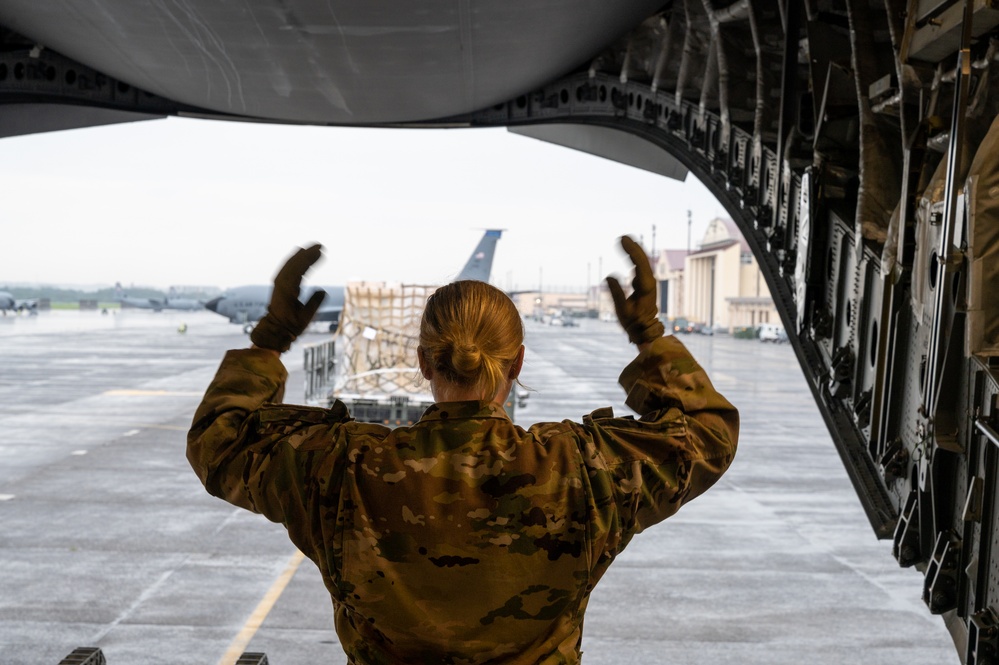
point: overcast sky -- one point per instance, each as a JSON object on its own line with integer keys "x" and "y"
{"x": 191, "y": 202}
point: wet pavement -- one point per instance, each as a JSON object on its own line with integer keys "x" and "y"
{"x": 108, "y": 539}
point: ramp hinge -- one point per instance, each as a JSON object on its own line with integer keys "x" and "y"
{"x": 940, "y": 585}
{"x": 905, "y": 545}
{"x": 983, "y": 638}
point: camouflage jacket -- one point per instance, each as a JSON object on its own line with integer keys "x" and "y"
{"x": 463, "y": 538}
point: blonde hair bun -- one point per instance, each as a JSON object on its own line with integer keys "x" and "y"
{"x": 466, "y": 359}
{"x": 472, "y": 332}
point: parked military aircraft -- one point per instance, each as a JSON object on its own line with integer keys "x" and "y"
{"x": 160, "y": 304}
{"x": 9, "y": 303}
{"x": 248, "y": 304}
{"x": 156, "y": 304}
{"x": 853, "y": 142}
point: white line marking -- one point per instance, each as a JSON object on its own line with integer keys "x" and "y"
{"x": 138, "y": 601}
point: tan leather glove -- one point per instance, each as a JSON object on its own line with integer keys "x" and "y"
{"x": 638, "y": 313}
{"x": 286, "y": 316}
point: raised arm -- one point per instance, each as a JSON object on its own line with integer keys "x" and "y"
{"x": 249, "y": 449}
{"x": 642, "y": 471}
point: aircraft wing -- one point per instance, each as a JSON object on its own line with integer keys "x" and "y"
{"x": 154, "y": 304}
{"x": 182, "y": 304}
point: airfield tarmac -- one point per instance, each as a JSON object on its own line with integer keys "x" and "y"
{"x": 108, "y": 539}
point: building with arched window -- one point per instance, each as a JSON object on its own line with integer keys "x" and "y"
{"x": 719, "y": 284}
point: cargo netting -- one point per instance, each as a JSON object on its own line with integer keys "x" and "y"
{"x": 377, "y": 340}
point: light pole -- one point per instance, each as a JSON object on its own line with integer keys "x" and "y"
{"x": 689, "y": 222}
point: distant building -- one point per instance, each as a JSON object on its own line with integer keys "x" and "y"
{"x": 546, "y": 303}
{"x": 601, "y": 301}
{"x": 719, "y": 284}
{"x": 668, "y": 265}
{"x": 724, "y": 286}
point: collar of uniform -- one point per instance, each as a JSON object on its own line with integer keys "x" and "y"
{"x": 464, "y": 410}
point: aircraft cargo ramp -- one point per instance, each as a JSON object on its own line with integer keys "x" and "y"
{"x": 109, "y": 540}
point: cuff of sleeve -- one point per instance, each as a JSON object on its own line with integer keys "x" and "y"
{"x": 262, "y": 362}
{"x": 646, "y": 377}
{"x": 257, "y": 372}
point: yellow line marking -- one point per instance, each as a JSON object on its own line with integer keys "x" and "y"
{"x": 154, "y": 393}
{"x": 263, "y": 609}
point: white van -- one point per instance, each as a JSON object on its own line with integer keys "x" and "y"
{"x": 772, "y": 332}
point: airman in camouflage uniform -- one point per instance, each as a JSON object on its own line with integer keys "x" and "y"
{"x": 464, "y": 538}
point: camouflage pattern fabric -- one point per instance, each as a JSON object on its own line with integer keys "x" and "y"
{"x": 464, "y": 538}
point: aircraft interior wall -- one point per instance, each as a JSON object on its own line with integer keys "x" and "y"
{"x": 849, "y": 218}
